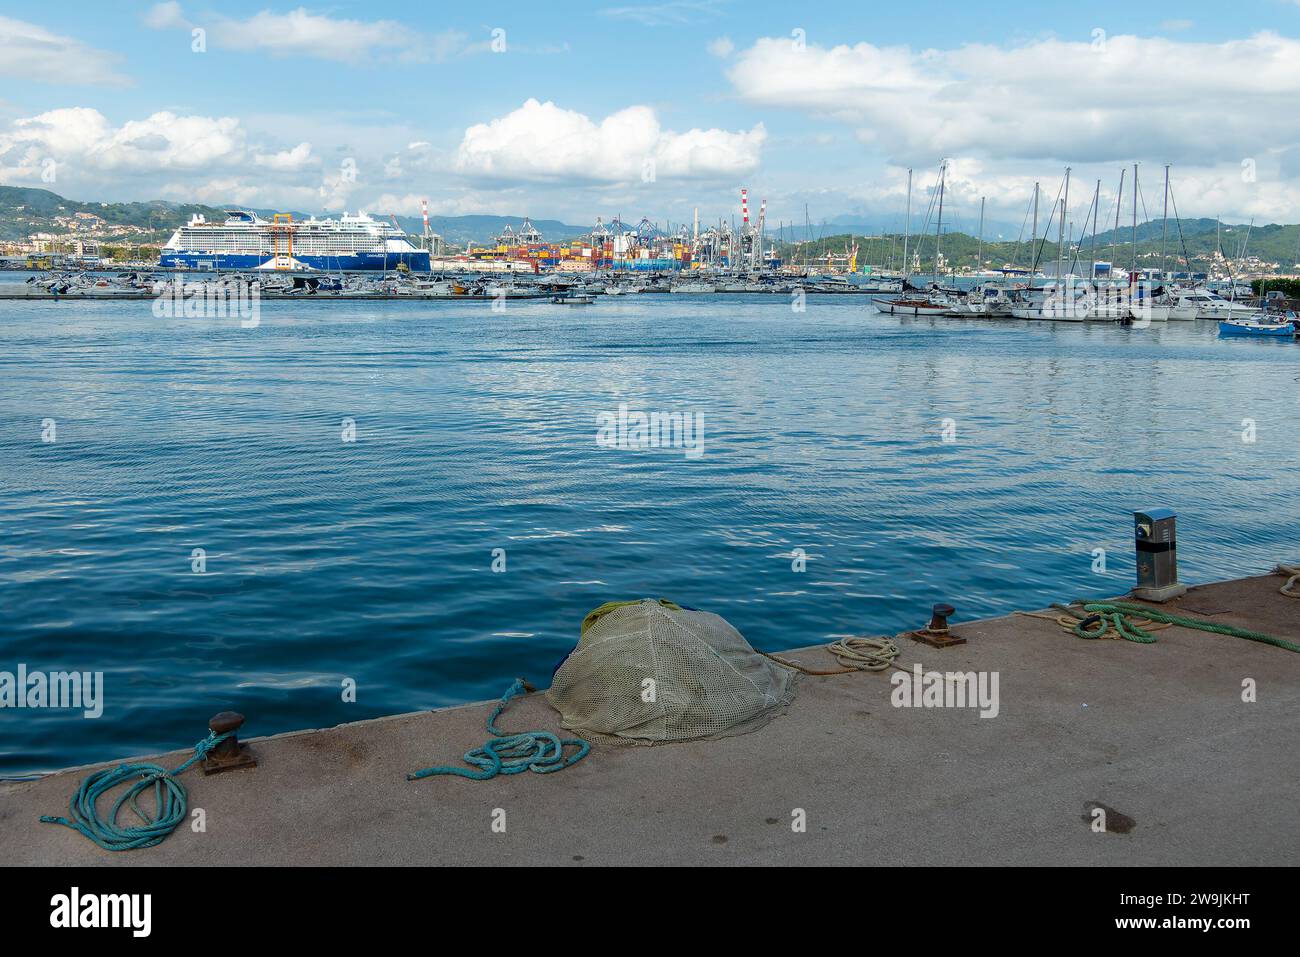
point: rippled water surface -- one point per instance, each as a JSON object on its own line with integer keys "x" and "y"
{"x": 475, "y": 431}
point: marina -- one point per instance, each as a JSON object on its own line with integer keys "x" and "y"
{"x": 359, "y": 258}
{"x": 1074, "y": 301}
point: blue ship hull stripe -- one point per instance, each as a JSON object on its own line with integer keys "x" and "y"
{"x": 417, "y": 261}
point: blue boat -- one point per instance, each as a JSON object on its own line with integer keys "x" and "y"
{"x": 1261, "y": 326}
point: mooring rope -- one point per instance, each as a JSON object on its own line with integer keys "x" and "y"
{"x": 169, "y": 795}
{"x": 864, "y": 654}
{"x": 1289, "y": 588}
{"x": 1134, "y": 622}
{"x": 540, "y": 751}
{"x": 854, "y": 653}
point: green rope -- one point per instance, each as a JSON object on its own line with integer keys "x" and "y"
{"x": 169, "y": 796}
{"x": 1119, "y": 613}
{"x": 539, "y": 751}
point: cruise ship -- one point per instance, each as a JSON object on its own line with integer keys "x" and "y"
{"x": 246, "y": 241}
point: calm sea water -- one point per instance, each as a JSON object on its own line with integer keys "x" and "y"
{"x": 475, "y": 431}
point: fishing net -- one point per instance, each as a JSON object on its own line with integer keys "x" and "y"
{"x": 653, "y": 671}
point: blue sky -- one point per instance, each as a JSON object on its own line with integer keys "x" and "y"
{"x": 611, "y": 108}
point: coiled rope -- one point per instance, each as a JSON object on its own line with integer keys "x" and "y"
{"x": 539, "y": 751}
{"x": 864, "y": 654}
{"x": 1134, "y": 622}
{"x": 854, "y": 653}
{"x": 169, "y": 795}
{"x": 1289, "y": 588}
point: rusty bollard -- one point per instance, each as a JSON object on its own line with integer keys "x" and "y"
{"x": 939, "y": 615}
{"x": 230, "y": 754}
{"x": 936, "y": 633}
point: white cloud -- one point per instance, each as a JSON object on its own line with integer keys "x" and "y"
{"x": 303, "y": 33}
{"x": 543, "y": 142}
{"x": 32, "y": 53}
{"x": 668, "y": 12}
{"x": 85, "y": 140}
{"x": 1129, "y": 97}
{"x": 237, "y": 191}
{"x": 198, "y": 158}
{"x": 287, "y": 160}
{"x": 721, "y": 47}
{"x": 163, "y": 16}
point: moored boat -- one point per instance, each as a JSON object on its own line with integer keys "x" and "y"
{"x": 1261, "y": 326}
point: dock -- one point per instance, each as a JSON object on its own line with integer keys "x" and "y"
{"x": 1158, "y": 734}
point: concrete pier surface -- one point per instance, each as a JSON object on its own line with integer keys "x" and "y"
{"x": 1159, "y": 733}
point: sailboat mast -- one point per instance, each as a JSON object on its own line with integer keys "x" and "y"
{"x": 1164, "y": 233}
{"x": 1096, "y": 211}
{"x": 938, "y": 228}
{"x": 1060, "y": 241}
{"x": 979, "y": 248}
{"x": 1133, "y": 255}
{"x": 907, "y": 227}
{"x": 1033, "y": 234}
{"x": 1119, "y": 200}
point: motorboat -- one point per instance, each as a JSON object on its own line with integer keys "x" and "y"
{"x": 992, "y": 300}
{"x": 1210, "y": 305}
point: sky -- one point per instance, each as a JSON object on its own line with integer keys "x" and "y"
{"x": 576, "y": 110}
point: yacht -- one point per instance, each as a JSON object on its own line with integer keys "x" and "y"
{"x": 1210, "y": 305}
{"x": 1074, "y": 304}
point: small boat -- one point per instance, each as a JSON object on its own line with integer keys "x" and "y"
{"x": 915, "y": 307}
{"x": 1260, "y": 326}
{"x": 573, "y": 300}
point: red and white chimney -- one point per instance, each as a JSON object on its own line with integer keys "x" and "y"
{"x": 744, "y": 205}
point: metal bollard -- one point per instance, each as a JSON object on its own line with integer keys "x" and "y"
{"x": 1155, "y": 536}
{"x": 936, "y": 633}
{"x": 939, "y": 615}
{"x": 230, "y": 754}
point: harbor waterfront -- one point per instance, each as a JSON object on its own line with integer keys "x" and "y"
{"x": 414, "y": 496}
{"x": 1154, "y": 736}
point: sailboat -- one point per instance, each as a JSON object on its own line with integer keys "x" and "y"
{"x": 1063, "y": 299}
{"x": 1142, "y": 305}
{"x": 935, "y": 303}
